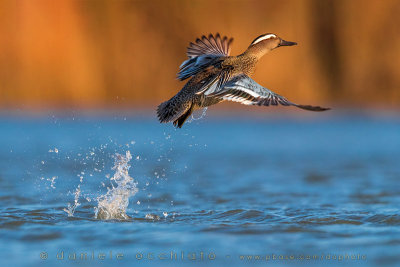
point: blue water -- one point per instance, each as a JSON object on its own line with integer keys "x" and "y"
{"x": 283, "y": 188}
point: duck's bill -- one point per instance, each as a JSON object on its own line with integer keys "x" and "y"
{"x": 287, "y": 43}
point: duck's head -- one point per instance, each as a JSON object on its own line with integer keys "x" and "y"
{"x": 267, "y": 42}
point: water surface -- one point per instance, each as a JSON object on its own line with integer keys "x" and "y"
{"x": 282, "y": 189}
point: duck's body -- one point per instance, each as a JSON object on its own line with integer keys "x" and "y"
{"x": 215, "y": 77}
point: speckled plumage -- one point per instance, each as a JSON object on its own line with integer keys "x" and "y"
{"x": 215, "y": 76}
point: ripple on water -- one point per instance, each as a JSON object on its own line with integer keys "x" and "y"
{"x": 41, "y": 237}
{"x": 315, "y": 177}
{"x": 228, "y": 214}
{"x": 329, "y": 221}
{"x": 384, "y": 219}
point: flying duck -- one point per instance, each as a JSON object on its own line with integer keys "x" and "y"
{"x": 215, "y": 76}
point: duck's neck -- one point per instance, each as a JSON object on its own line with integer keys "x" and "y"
{"x": 256, "y": 52}
{"x": 246, "y": 63}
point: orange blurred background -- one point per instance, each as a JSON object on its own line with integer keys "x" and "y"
{"x": 125, "y": 54}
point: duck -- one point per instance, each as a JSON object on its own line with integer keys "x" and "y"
{"x": 213, "y": 76}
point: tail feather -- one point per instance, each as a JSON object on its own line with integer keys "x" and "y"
{"x": 172, "y": 110}
{"x": 164, "y": 113}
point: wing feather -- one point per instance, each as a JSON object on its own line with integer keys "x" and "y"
{"x": 246, "y": 91}
{"x": 204, "y": 52}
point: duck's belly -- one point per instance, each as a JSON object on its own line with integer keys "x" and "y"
{"x": 201, "y": 101}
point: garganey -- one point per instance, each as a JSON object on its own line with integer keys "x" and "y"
{"x": 214, "y": 76}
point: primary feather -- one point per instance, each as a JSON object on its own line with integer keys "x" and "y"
{"x": 205, "y": 52}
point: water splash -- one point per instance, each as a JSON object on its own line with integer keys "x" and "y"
{"x": 114, "y": 203}
{"x": 203, "y": 114}
{"x": 53, "y": 181}
{"x": 72, "y": 207}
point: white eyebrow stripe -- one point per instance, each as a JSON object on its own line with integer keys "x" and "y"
{"x": 264, "y": 38}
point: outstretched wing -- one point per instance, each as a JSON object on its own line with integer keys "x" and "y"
{"x": 205, "y": 52}
{"x": 246, "y": 91}
{"x": 210, "y": 46}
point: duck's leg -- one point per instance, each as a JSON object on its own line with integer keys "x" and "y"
{"x": 181, "y": 120}
{"x": 199, "y": 102}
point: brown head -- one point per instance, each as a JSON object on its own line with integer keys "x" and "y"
{"x": 265, "y": 43}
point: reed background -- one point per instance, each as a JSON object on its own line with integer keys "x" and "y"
{"x": 125, "y": 54}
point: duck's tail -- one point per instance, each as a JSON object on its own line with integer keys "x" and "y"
{"x": 174, "y": 110}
